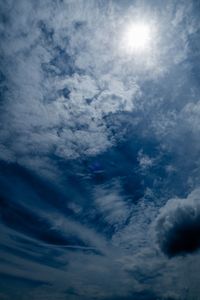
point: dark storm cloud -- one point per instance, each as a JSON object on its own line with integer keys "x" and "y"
{"x": 178, "y": 226}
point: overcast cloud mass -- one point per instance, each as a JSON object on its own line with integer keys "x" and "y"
{"x": 99, "y": 151}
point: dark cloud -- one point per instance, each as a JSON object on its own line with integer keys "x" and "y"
{"x": 178, "y": 225}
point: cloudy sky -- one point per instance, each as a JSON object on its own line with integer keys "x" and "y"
{"x": 99, "y": 150}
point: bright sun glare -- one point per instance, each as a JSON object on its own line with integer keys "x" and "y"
{"x": 137, "y": 37}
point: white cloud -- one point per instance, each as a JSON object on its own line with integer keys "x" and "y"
{"x": 145, "y": 161}
{"x": 111, "y": 204}
{"x": 37, "y": 119}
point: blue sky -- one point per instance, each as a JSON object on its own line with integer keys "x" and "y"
{"x": 99, "y": 151}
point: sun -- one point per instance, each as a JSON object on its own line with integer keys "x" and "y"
{"x": 137, "y": 37}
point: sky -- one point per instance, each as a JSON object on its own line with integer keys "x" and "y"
{"x": 99, "y": 150}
